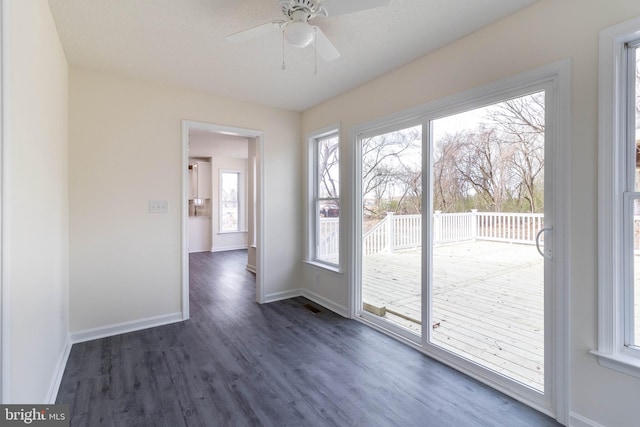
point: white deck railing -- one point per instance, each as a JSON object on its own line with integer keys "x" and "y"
{"x": 508, "y": 227}
{"x": 329, "y": 239}
{"x": 406, "y": 230}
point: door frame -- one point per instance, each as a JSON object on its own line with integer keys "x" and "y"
{"x": 188, "y": 125}
{"x": 558, "y": 76}
{"x": 5, "y": 329}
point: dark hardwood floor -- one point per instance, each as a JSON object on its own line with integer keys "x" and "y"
{"x": 237, "y": 363}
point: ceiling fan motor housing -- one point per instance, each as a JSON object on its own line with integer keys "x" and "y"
{"x": 310, "y": 8}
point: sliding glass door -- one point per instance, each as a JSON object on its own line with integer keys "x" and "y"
{"x": 487, "y": 276}
{"x": 456, "y": 244}
{"x": 391, "y": 290}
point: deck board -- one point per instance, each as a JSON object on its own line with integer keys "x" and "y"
{"x": 488, "y": 301}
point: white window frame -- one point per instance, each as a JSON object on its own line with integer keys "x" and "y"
{"x": 313, "y": 198}
{"x": 614, "y": 269}
{"x": 240, "y": 228}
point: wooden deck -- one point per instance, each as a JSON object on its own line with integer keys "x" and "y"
{"x": 487, "y": 302}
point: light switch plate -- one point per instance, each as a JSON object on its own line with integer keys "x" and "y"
{"x": 158, "y": 206}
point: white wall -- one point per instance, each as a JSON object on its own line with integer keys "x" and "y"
{"x": 207, "y": 144}
{"x": 37, "y": 202}
{"x": 547, "y": 31}
{"x": 125, "y": 149}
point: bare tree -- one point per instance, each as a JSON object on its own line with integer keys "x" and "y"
{"x": 328, "y": 158}
{"x": 482, "y": 162}
{"x": 497, "y": 165}
{"x": 520, "y": 124}
{"x": 450, "y": 189}
{"x": 385, "y": 167}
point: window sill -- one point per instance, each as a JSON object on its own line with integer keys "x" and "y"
{"x": 232, "y": 232}
{"x": 620, "y": 362}
{"x": 333, "y": 268}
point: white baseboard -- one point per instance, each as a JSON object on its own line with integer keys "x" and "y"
{"x": 279, "y": 296}
{"x": 52, "y": 394}
{"x": 123, "y": 328}
{"x": 576, "y": 420}
{"x": 251, "y": 268}
{"x": 229, "y": 248}
{"x": 326, "y": 303}
{"x": 320, "y": 300}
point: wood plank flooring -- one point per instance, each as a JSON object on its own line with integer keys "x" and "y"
{"x": 238, "y": 363}
{"x": 488, "y": 302}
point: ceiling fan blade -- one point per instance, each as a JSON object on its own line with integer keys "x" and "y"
{"x": 342, "y": 7}
{"x": 255, "y": 31}
{"x": 324, "y": 47}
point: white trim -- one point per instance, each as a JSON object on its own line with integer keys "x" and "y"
{"x": 577, "y": 420}
{"x": 311, "y": 185}
{"x": 229, "y": 248}
{"x": 310, "y": 295}
{"x": 611, "y": 184}
{"x": 326, "y": 303}
{"x": 324, "y": 266}
{"x": 52, "y": 394}
{"x": 282, "y": 295}
{"x": 124, "y": 327}
{"x": 240, "y": 175}
{"x": 562, "y": 245}
{"x": 5, "y": 220}
{"x": 251, "y": 267}
{"x": 260, "y": 242}
{"x": 184, "y": 167}
{"x": 555, "y": 78}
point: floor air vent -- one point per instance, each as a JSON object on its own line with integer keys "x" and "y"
{"x": 312, "y": 309}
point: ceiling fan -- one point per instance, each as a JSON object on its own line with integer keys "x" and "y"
{"x": 296, "y": 27}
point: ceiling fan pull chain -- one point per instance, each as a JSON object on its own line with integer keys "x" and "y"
{"x": 283, "y": 66}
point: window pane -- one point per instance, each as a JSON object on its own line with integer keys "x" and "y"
{"x": 489, "y": 205}
{"x": 637, "y": 119}
{"x": 636, "y": 212}
{"x": 635, "y": 337}
{"x": 229, "y": 201}
{"x": 328, "y": 168}
{"x": 328, "y": 237}
{"x": 392, "y": 244}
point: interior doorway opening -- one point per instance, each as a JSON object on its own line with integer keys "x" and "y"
{"x": 221, "y": 196}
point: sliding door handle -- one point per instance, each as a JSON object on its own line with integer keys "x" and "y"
{"x": 545, "y": 254}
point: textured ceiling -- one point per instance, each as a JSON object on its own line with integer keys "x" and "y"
{"x": 183, "y": 42}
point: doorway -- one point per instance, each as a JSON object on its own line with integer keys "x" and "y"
{"x": 219, "y": 211}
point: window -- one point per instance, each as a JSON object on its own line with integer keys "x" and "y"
{"x": 619, "y": 199}
{"x": 324, "y": 224}
{"x": 632, "y": 197}
{"x": 229, "y": 202}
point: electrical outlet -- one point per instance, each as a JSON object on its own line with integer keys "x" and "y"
{"x": 158, "y": 206}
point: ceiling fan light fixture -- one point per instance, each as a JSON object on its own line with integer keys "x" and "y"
{"x": 299, "y": 34}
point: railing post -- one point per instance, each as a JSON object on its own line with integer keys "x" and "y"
{"x": 391, "y": 230}
{"x": 437, "y": 226}
{"x": 474, "y": 223}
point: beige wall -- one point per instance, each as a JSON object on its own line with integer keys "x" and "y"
{"x": 37, "y": 195}
{"x": 548, "y": 31}
{"x": 125, "y": 148}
